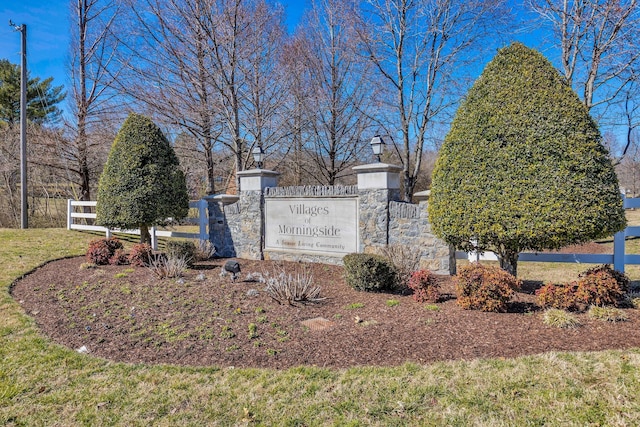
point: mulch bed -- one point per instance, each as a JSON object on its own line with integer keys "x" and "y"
{"x": 126, "y": 313}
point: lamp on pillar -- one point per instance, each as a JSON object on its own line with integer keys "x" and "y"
{"x": 258, "y": 155}
{"x": 377, "y": 145}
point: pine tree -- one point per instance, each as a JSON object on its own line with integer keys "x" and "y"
{"x": 523, "y": 166}
{"x": 42, "y": 97}
{"x": 142, "y": 184}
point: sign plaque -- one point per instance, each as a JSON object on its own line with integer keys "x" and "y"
{"x": 324, "y": 225}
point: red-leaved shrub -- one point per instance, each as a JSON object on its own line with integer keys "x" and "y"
{"x": 485, "y": 288}
{"x": 560, "y": 296}
{"x": 119, "y": 257}
{"x": 140, "y": 254}
{"x": 425, "y": 286}
{"x": 597, "y": 286}
{"x": 101, "y": 250}
{"x": 601, "y": 286}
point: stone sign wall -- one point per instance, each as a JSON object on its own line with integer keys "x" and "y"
{"x": 323, "y": 223}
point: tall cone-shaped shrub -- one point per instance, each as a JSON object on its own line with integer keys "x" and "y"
{"x": 141, "y": 184}
{"x": 523, "y": 166}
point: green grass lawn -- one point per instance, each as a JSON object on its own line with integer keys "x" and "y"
{"x": 42, "y": 383}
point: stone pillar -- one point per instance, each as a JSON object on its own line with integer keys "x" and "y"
{"x": 248, "y": 232}
{"x": 437, "y": 255}
{"x": 219, "y": 232}
{"x": 378, "y": 184}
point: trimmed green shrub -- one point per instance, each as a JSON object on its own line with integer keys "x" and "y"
{"x": 523, "y": 166}
{"x": 485, "y": 288}
{"x": 425, "y": 286}
{"x": 182, "y": 249}
{"x": 369, "y": 272}
{"x": 101, "y": 251}
{"x": 141, "y": 184}
{"x": 140, "y": 254}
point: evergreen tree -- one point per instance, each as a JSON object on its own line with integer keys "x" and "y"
{"x": 523, "y": 166}
{"x": 41, "y": 96}
{"x": 142, "y": 184}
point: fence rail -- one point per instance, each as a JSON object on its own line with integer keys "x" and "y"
{"x": 618, "y": 258}
{"x": 202, "y": 221}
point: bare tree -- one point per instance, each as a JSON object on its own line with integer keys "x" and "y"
{"x": 168, "y": 70}
{"x": 339, "y": 95}
{"x": 420, "y": 49}
{"x": 266, "y": 89}
{"x": 628, "y": 169}
{"x": 245, "y": 37}
{"x": 598, "y": 44}
{"x": 209, "y": 68}
{"x": 294, "y": 157}
{"x": 93, "y": 72}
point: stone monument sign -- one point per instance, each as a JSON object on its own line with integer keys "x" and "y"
{"x": 313, "y": 225}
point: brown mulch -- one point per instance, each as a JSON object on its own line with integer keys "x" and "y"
{"x": 125, "y": 313}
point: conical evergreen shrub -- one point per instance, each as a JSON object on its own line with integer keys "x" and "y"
{"x": 523, "y": 166}
{"x": 141, "y": 184}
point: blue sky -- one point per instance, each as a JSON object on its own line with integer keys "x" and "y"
{"x": 48, "y": 33}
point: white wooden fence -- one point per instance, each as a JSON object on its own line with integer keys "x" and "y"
{"x": 202, "y": 221}
{"x": 618, "y": 258}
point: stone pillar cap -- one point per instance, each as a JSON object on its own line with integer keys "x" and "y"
{"x": 377, "y": 167}
{"x": 226, "y": 199}
{"x": 258, "y": 172}
{"x": 422, "y": 196}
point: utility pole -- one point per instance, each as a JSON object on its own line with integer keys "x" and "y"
{"x": 24, "y": 211}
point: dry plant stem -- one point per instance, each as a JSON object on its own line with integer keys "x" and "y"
{"x": 405, "y": 259}
{"x": 167, "y": 267}
{"x": 283, "y": 287}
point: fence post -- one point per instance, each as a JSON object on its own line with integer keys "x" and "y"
{"x": 69, "y": 210}
{"x": 154, "y": 239}
{"x": 203, "y": 218}
{"x": 618, "y": 251}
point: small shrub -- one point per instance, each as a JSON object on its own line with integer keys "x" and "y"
{"x": 405, "y": 259}
{"x": 633, "y": 299}
{"x": 167, "y": 267}
{"x": 485, "y": 288}
{"x": 119, "y": 258}
{"x": 204, "y": 250}
{"x": 608, "y": 314}
{"x": 101, "y": 250}
{"x": 561, "y": 296}
{"x": 597, "y": 286}
{"x": 368, "y": 272}
{"x": 287, "y": 287}
{"x": 560, "y": 318}
{"x": 602, "y": 286}
{"x": 393, "y": 303}
{"x": 140, "y": 254}
{"x": 425, "y": 286}
{"x": 182, "y": 249}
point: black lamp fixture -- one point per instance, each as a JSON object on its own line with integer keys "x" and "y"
{"x": 377, "y": 145}
{"x": 258, "y": 155}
